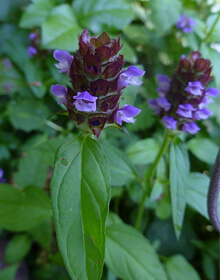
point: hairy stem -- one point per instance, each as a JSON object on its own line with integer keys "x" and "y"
{"x": 213, "y": 194}
{"x": 149, "y": 179}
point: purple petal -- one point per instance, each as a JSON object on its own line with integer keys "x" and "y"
{"x": 162, "y": 102}
{"x": 126, "y": 114}
{"x": 32, "y": 51}
{"x": 65, "y": 60}
{"x": 85, "y": 102}
{"x": 60, "y": 92}
{"x": 129, "y": 76}
{"x": 185, "y": 24}
{"x": 32, "y": 36}
{"x": 185, "y": 110}
{"x": 202, "y": 114}
{"x": 205, "y": 102}
{"x": 192, "y": 128}
{"x": 152, "y": 104}
{"x": 169, "y": 122}
{"x": 194, "y": 88}
{"x": 212, "y": 92}
{"x": 1, "y": 173}
{"x": 134, "y": 71}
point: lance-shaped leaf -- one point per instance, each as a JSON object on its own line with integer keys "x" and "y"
{"x": 80, "y": 190}
{"x": 130, "y": 255}
{"x": 179, "y": 173}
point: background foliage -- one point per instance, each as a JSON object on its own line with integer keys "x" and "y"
{"x": 31, "y": 131}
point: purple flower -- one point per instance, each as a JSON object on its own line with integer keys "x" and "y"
{"x": 202, "y": 114}
{"x": 85, "y": 102}
{"x": 65, "y": 60}
{"x": 185, "y": 110}
{"x": 185, "y": 24}
{"x": 205, "y": 101}
{"x": 212, "y": 92}
{"x": 60, "y": 92}
{"x": 126, "y": 114}
{"x": 154, "y": 106}
{"x": 129, "y": 76}
{"x": 32, "y": 36}
{"x": 192, "y": 128}
{"x": 163, "y": 103}
{"x": 169, "y": 122}
{"x": 194, "y": 88}
{"x": 2, "y": 180}
{"x": 164, "y": 84}
{"x": 32, "y": 51}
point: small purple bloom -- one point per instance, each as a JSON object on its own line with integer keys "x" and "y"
{"x": 129, "y": 76}
{"x": 185, "y": 24}
{"x": 202, "y": 114}
{"x": 185, "y": 110}
{"x": 154, "y": 106}
{"x": 85, "y": 102}
{"x": 163, "y": 103}
{"x": 169, "y": 122}
{"x": 2, "y": 180}
{"x": 32, "y": 51}
{"x": 194, "y": 88}
{"x": 164, "y": 85}
{"x": 65, "y": 60}
{"x": 212, "y": 92}
{"x": 126, "y": 114}
{"x": 32, "y": 36}
{"x": 60, "y": 92}
{"x": 192, "y": 128}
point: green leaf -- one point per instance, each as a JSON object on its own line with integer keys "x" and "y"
{"x": 143, "y": 151}
{"x": 27, "y": 114}
{"x": 98, "y": 15}
{"x": 47, "y": 150}
{"x": 22, "y": 210}
{"x": 179, "y": 172}
{"x": 121, "y": 169}
{"x": 164, "y": 14}
{"x": 129, "y": 54}
{"x": 34, "y": 78}
{"x": 130, "y": 256}
{"x": 177, "y": 267}
{"x": 60, "y": 29}
{"x": 9, "y": 272}
{"x": 17, "y": 248}
{"x": 197, "y": 192}
{"x": 32, "y": 171}
{"x": 43, "y": 233}
{"x": 80, "y": 195}
{"x": 11, "y": 80}
{"x": 204, "y": 149}
{"x": 214, "y": 56}
{"x": 36, "y": 13}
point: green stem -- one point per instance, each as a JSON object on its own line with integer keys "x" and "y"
{"x": 53, "y": 125}
{"x": 212, "y": 28}
{"x": 149, "y": 178}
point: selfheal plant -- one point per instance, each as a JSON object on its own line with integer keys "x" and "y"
{"x": 97, "y": 80}
{"x": 183, "y": 99}
{"x": 80, "y": 185}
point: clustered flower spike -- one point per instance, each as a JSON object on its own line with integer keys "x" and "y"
{"x": 185, "y": 24}
{"x": 2, "y": 179}
{"x": 183, "y": 99}
{"x": 97, "y": 81}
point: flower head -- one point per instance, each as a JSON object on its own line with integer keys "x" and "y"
{"x": 97, "y": 79}
{"x": 186, "y": 95}
{"x": 185, "y": 23}
{"x": 2, "y": 179}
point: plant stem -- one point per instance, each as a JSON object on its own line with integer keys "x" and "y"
{"x": 212, "y": 28}
{"x": 148, "y": 179}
